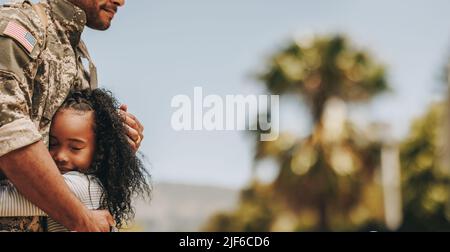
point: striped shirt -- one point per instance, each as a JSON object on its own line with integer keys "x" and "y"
{"x": 86, "y": 188}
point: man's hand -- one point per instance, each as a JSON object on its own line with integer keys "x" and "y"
{"x": 101, "y": 221}
{"x": 135, "y": 130}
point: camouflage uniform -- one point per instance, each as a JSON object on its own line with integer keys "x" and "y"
{"x": 23, "y": 224}
{"x": 35, "y": 80}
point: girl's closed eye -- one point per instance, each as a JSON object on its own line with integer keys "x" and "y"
{"x": 76, "y": 148}
{"x": 77, "y": 145}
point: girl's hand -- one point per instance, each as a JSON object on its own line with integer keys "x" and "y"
{"x": 135, "y": 130}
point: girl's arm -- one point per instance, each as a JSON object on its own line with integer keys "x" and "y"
{"x": 13, "y": 204}
{"x": 86, "y": 189}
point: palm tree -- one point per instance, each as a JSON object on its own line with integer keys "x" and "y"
{"x": 324, "y": 67}
{"x": 330, "y": 170}
{"x": 327, "y": 180}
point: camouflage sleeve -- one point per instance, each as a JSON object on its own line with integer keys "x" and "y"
{"x": 16, "y": 127}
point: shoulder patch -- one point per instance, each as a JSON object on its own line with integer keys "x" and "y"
{"x": 21, "y": 35}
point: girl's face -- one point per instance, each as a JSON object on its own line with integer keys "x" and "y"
{"x": 72, "y": 140}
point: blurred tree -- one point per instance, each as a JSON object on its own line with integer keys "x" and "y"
{"x": 425, "y": 180}
{"x": 321, "y": 68}
{"x": 326, "y": 181}
{"x": 426, "y": 172}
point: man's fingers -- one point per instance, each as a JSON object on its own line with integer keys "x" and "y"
{"x": 133, "y": 127}
{"x": 103, "y": 220}
{"x": 111, "y": 220}
{"x": 133, "y": 145}
{"x": 138, "y": 123}
{"x": 124, "y": 107}
{"x": 130, "y": 120}
{"x": 132, "y": 133}
{"x": 134, "y": 137}
{"x": 141, "y": 127}
{"x": 134, "y": 121}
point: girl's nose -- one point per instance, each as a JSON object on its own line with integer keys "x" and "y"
{"x": 59, "y": 156}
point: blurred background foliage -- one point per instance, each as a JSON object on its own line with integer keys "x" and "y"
{"x": 332, "y": 179}
{"x": 425, "y": 172}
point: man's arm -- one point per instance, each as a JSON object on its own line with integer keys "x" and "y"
{"x": 35, "y": 175}
{"x": 24, "y": 159}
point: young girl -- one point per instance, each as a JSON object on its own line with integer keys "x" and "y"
{"x": 89, "y": 146}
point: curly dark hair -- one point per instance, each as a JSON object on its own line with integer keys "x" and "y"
{"x": 120, "y": 171}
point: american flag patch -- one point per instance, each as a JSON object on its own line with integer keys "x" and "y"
{"x": 21, "y": 35}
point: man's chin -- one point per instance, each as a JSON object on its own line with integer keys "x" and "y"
{"x": 99, "y": 26}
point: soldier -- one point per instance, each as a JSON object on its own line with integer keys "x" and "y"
{"x": 40, "y": 62}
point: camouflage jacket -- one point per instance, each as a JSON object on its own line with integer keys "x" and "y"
{"x": 41, "y": 60}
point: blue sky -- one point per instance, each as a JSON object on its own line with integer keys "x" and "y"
{"x": 158, "y": 49}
